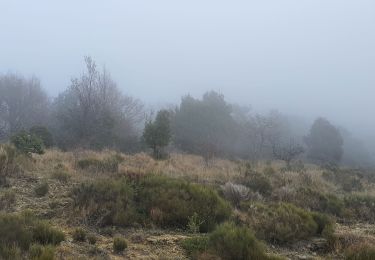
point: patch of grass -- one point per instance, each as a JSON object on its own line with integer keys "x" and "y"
{"x": 41, "y": 189}
{"x": 92, "y": 239}
{"x": 195, "y": 245}
{"x": 119, "y": 245}
{"x": 44, "y": 234}
{"x": 360, "y": 207}
{"x": 361, "y": 252}
{"x": 109, "y": 164}
{"x": 7, "y": 199}
{"x": 8, "y": 166}
{"x": 39, "y": 252}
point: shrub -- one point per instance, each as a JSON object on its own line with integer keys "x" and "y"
{"x": 7, "y": 199}
{"x": 79, "y": 235}
{"x": 41, "y": 189}
{"x": 119, "y": 244}
{"x": 109, "y": 164}
{"x": 19, "y": 231}
{"x": 362, "y": 252}
{"x": 44, "y": 234}
{"x": 43, "y": 134}
{"x": 283, "y": 223}
{"x": 153, "y": 199}
{"x": 171, "y": 202}
{"x": 361, "y": 207}
{"x": 231, "y": 242}
{"x": 235, "y": 193}
{"x": 60, "y": 173}
{"x": 258, "y": 183}
{"x": 195, "y": 245}
{"x": 92, "y": 239}
{"x": 8, "y": 165}
{"x": 39, "y": 252}
{"x": 27, "y": 143}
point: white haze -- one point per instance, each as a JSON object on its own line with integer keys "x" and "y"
{"x": 308, "y": 58}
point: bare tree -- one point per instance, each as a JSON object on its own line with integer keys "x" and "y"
{"x": 287, "y": 151}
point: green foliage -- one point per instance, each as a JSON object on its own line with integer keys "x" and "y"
{"x": 258, "y": 182}
{"x": 43, "y": 134}
{"x": 231, "y": 242}
{"x": 8, "y": 164}
{"x": 39, "y": 252}
{"x": 19, "y": 231}
{"x": 171, "y": 202}
{"x": 27, "y": 143}
{"x": 157, "y": 134}
{"x": 41, "y": 189}
{"x": 79, "y": 235}
{"x": 119, "y": 244}
{"x": 195, "y": 245}
{"x": 360, "y": 207}
{"x": 324, "y": 142}
{"x": 285, "y": 223}
{"x": 109, "y": 164}
{"x": 362, "y": 252}
{"x": 153, "y": 199}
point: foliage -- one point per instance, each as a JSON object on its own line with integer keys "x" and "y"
{"x": 157, "y": 134}
{"x": 258, "y": 182}
{"x": 39, "y": 252}
{"x": 153, "y": 199}
{"x": 109, "y": 164}
{"x": 79, "y": 235}
{"x": 324, "y": 142}
{"x": 19, "y": 231}
{"x": 361, "y": 252}
{"x": 41, "y": 189}
{"x": 360, "y": 207}
{"x": 284, "y": 223}
{"x": 27, "y": 143}
{"x": 119, "y": 244}
{"x": 195, "y": 245}
{"x": 43, "y": 134}
{"x": 235, "y": 193}
{"x": 92, "y": 239}
{"x": 8, "y": 165}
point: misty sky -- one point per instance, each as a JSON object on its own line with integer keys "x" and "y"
{"x": 305, "y": 57}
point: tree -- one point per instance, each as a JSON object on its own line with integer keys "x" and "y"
{"x": 324, "y": 142}
{"x": 23, "y": 103}
{"x": 287, "y": 151}
{"x": 157, "y": 134}
{"x": 44, "y": 134}
{"x": 204, "y": 126}
{"x": 27, "y": 143}
{"x": 94, "y": 113}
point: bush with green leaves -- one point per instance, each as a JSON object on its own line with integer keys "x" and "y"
{"x": 153, "y": 199}
{"x": 43, "y": 134}
{"x": 360, "y": 207}
{"x": 8, "y": 164}
{"x": 119, "y": 244}
{"x": 41, "y": 189}
{"x": 27, "y": 143}
{"x": 19, "y": 231}
{"x": 285, "y": 223}
{"x": 229, "y": 242}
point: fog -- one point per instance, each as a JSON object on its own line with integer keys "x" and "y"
{"x": 305, "y": 58}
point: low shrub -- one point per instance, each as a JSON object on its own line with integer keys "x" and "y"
{"x": 92, "y": 239}
{"x": 258, "y": 183}
{"x": 285, "y": 223}
{"x": 361, "y": 252}
{"x": 79, "y": 235}
{"x": 8, "y": 165}
{"x": 19, "y": 231}
{"x": 41, "y": 189}
{"x": 119, "y": 244}
{"x": 43, "y": 134}
{"x": 195, "y": 246}
{"x": 360, "y": 207}
{"x": 109, "y": 164}
{"x": 61, "y": 174}
{"x": 27, "y": 143}
{"x": 152, "y": 199}
{"x": 235, "y": 193}
{"x": 7, "y": 199}
{"x": 39, "y": 252}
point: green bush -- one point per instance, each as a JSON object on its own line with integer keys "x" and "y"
{"x": 39, "y": 252}
{"x": 109, "y": 164}
{"x": 360, "y": 207}
{"x": 362, "y": 252}
{"x": 8, "y": 165}
{"x": 231, "y": 242}
{"x": 79, "y": 235}
{"x": 27, "y": 143}
{"x": 119, "y": 244}
{"x": 258, "y": 183}
{"x": 284, "y": 223}
{"x": 19, "y": 231}
{"x": 153, "y": 199}
{"x": 171, "y": 203}
{"x": 60, "y": 173}
{"x": 195, "y": 245}
{"x": 43, "y": 134}
{"x": 41, "y": 189}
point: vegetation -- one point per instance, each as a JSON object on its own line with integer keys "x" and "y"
{"x": 119, "y": 244}
{"x": 79, "y": 235}
{"x": 27, "y": 143}
{"x": 42, "y": 189}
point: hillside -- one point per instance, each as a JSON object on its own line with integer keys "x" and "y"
{"x": 305, "y": 212}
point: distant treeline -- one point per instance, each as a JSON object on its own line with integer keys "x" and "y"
{"x": 94, "y": 113}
